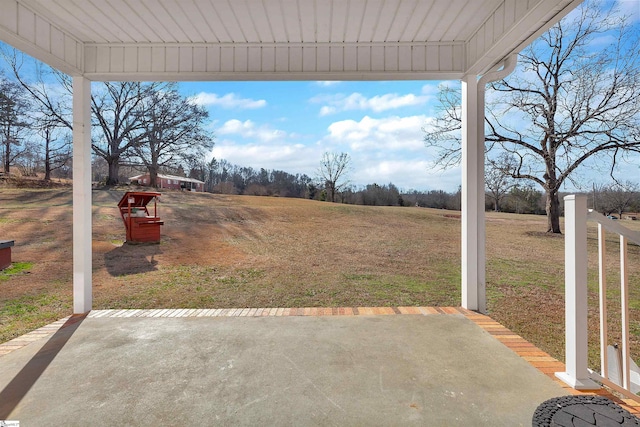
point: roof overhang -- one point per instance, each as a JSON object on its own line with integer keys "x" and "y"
{"x": 162, "y": 40}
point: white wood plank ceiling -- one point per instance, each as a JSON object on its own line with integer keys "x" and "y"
{"x": 269, "y": 21}
{"x": 274, "y": 39}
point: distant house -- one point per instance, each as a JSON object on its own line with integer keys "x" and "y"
{"x": 170, "y": 181}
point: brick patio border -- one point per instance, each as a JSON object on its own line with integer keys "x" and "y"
{"x": 530, "y": 353}
{"x": 540, "y": 360}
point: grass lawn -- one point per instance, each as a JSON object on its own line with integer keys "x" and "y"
{"x": 222, "y": 251}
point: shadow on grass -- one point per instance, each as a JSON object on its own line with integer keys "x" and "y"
{"x": 132, "y": 259}
{"x": 20, "y": 385}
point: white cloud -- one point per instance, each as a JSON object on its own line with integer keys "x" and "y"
{"x": 389, "y": 133}
{"x": 406, "y": 174}
{"x": 379, "y": 103}
{"x": 229, "y": 101}
{"x": 289, "y": 156}
{"x": 390, "y": 149}
{"x": 326, "y": 110}
{"x": 383, "y": 150}
{"x": 630, "y": 8}
{"x": 259, "y": 145}
{"x": 249, "y": 130}
{"x": 327, "y": 83}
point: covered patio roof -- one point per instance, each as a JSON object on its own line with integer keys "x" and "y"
{"x": 275, "y": 39}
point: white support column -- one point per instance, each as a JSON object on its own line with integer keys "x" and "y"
{"x": 575, "y": 282}
{"x": 473, "y": 230}
{"x": 82, "y": 287}
{"x": 474, "y": 294}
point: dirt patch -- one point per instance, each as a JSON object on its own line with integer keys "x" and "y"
{"x": 454, "y": 216}
{"x": 544, "y": 234}
{"x": 14, "y": 181}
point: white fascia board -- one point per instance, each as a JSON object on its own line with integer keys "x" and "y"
{"x": 33, "y": 34}
{"x": 299, "y": 61}
{"x": 263, "y": 76}
{"x": 491, "y": 43}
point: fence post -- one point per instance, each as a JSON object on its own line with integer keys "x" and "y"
{"x": 575, "y": 282}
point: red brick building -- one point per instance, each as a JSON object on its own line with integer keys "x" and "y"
{"x": 170, "y": 181}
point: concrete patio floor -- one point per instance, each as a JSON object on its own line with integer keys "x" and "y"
{"x": 440, "y": 369}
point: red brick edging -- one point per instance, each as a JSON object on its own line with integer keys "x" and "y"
{"x": 541, "y": 360}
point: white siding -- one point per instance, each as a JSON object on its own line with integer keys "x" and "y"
{"x": 248, "y": 61}
{"x": 36, "y": 35}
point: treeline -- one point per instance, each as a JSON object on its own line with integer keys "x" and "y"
{"x": 608, "y": 199}
{"x": 223, "y": 177}
{"x": 525, "y": 200}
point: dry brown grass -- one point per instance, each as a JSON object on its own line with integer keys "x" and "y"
{"x": 242, "y": 251}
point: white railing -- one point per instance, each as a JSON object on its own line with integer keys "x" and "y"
{"x": 615, "y": 375}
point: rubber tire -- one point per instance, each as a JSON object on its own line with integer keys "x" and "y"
{"x": 544, "y": 413}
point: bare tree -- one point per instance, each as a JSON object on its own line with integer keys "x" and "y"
{"x": 172, "y": 131}
{"x": 50, "y": 89}
{"x": 119, "y": 110}
{"x": 14, "y": 109}
{"x": 444, "y": 132}
{"x": 617, "y": 197}
{"x": 498, "y": 179}
{"x": 29, "y": 161}
{"x": 524, "y": 200}
{"x": 570, "y": 100}
{"x": 115, "y": 107}
{"x": 57, "y": 147}
{"x": 333, "y": 170}
{"x": 197, "y": 165}
{"x": 51, "y": 95}
{"x": 119, "y": 118}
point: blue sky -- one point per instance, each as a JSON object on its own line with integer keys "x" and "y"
{"x": 289, "y": 125}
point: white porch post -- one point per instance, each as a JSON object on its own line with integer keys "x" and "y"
{"x": 575, "y": 283}
{"x": 474, "y": 294}
{"x": 473, "y": 229}
{"x": 82, "y": 287}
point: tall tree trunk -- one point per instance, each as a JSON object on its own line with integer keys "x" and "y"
{"x": 47, "y": 166}
{"x": 7, "y": 153}
{"x": 114, "y": 169}
{"x": 553, "y": 212}
{"x": 47, "y": 157}
{"x": 153, "y": 177}
{"x": 331, "y": 190}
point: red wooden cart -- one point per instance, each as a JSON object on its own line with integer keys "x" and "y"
{"x": 5, "y": 253}
{"x": 141, "y": 226}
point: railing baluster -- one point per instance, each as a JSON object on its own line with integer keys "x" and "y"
{"x": 623, "y": 357}
{"x": 602, "y": 276}
{"x": 624, "y": 297}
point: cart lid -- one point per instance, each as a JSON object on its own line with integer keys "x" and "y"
{"x": 140, "y": 198}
